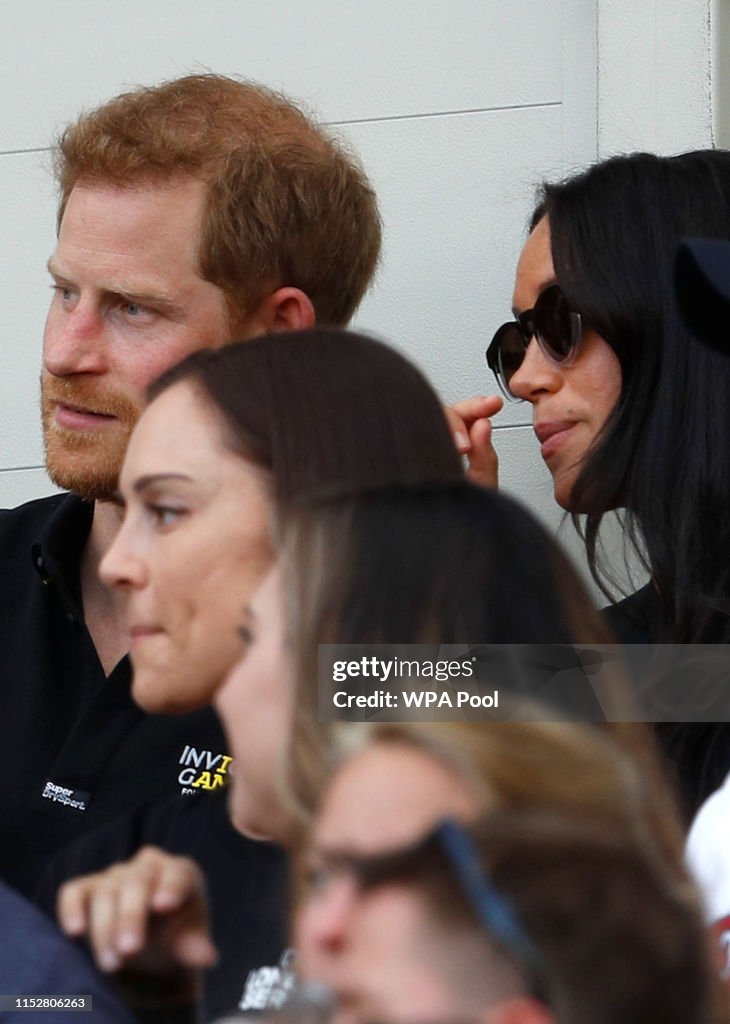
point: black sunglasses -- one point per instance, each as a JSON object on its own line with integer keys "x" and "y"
{"x": 551, "y": 322}
{"x": 451, "y": 846}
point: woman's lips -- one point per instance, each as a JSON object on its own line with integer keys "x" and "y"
{"x": 72, "y": 417}
{"x": 140, "y": 633}
{"x": 552, "y": 434}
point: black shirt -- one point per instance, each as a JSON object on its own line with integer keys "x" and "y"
{"x": 246, "y": 880}
{"x": 75, "y": 750}
{"x": 698, "y": 753}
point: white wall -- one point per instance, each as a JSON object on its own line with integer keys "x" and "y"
{"x": 457, "y": 109}
{"x": 655, "y": 74}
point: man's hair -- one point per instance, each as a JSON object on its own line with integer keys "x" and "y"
{"x": 286, "y": 205}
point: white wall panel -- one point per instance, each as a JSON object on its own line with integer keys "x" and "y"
{"x": 720, "y": 71}
{"x": 17, "y": 486}
{"x": 351, "y": 60}
{"x": 27, "y": 220}
{"x": 455, "y": 186}
{"x": 654, "y": 75}
{"x": 456, "y": 192}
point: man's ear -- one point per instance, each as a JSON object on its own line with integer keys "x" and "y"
{"x": 286, "y": 309}
{"x": 519, "y": 1010}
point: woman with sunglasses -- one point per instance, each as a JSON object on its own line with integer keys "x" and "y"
{"x": 630, "y": 411}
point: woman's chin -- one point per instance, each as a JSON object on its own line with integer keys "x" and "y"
{"x": 563, "y": 484}
{"x": 170, "y": 689}
{"x": 265, "y": 823}
{"x": 160, "y": 694}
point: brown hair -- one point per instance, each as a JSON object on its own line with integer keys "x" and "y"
{"x": 325, "y": 411}
{"x": 620, "y": 937}
{"x": 581, "y": 842}
{"x": 287, "y": 204}
{"x": 448, "y": 564}
{"x": 596, "y": 775}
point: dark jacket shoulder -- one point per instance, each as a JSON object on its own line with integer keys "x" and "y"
{"x": 36, "y": 959}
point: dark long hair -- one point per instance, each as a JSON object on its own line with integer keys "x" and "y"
{"x": 437, "y": 564}
{"x": 664, "y": 454}
{"x": 324, "y": 411}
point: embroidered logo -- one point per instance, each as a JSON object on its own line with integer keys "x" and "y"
{"x": 202, "y": 769}
{"x": 73, "y": 798}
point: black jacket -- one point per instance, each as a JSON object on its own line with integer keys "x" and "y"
{"x": 698, "y": 753}
{"x": 247, "y": 884}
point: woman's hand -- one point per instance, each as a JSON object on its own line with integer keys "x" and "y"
{"x": 147, "y": 917}
{"x": 472, "y": 429}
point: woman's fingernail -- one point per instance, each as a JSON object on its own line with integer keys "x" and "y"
{"x": 108, "y": 960}
{"x": 128, "y": 942}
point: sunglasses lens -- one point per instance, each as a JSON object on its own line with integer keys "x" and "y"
{"x": 552, "y": 322}
{"x": 556, "y": 325}
{"x": 511, "y": 352}
{"x": 505, "y": 354}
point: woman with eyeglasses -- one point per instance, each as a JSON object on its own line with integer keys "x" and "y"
{"x": 444, "y": 882}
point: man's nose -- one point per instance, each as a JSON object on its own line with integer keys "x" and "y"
{"x": 74, "y": 342}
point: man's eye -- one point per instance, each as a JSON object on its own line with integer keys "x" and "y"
{"x": 64, "y": 291}
{"x": 133, "y": 309}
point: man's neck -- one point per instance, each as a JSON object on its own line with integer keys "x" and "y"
{"x": 104, "y": 608}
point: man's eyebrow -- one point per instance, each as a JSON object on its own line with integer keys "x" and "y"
{"x": 143, "y": 298}
{"x": 124, "y": 289}
{"x": 149, "y": 479}
{"x": 53, "y": 268}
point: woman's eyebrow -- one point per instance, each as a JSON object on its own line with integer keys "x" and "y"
{"x": 149, "y": 479}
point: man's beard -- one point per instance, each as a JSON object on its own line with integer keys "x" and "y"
{"x": 87, "y": 463}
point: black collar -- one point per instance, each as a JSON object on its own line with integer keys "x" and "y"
{"x": 58, "y": 550}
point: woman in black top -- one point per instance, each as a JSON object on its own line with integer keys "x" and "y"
{"x": 631, "y": 411}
